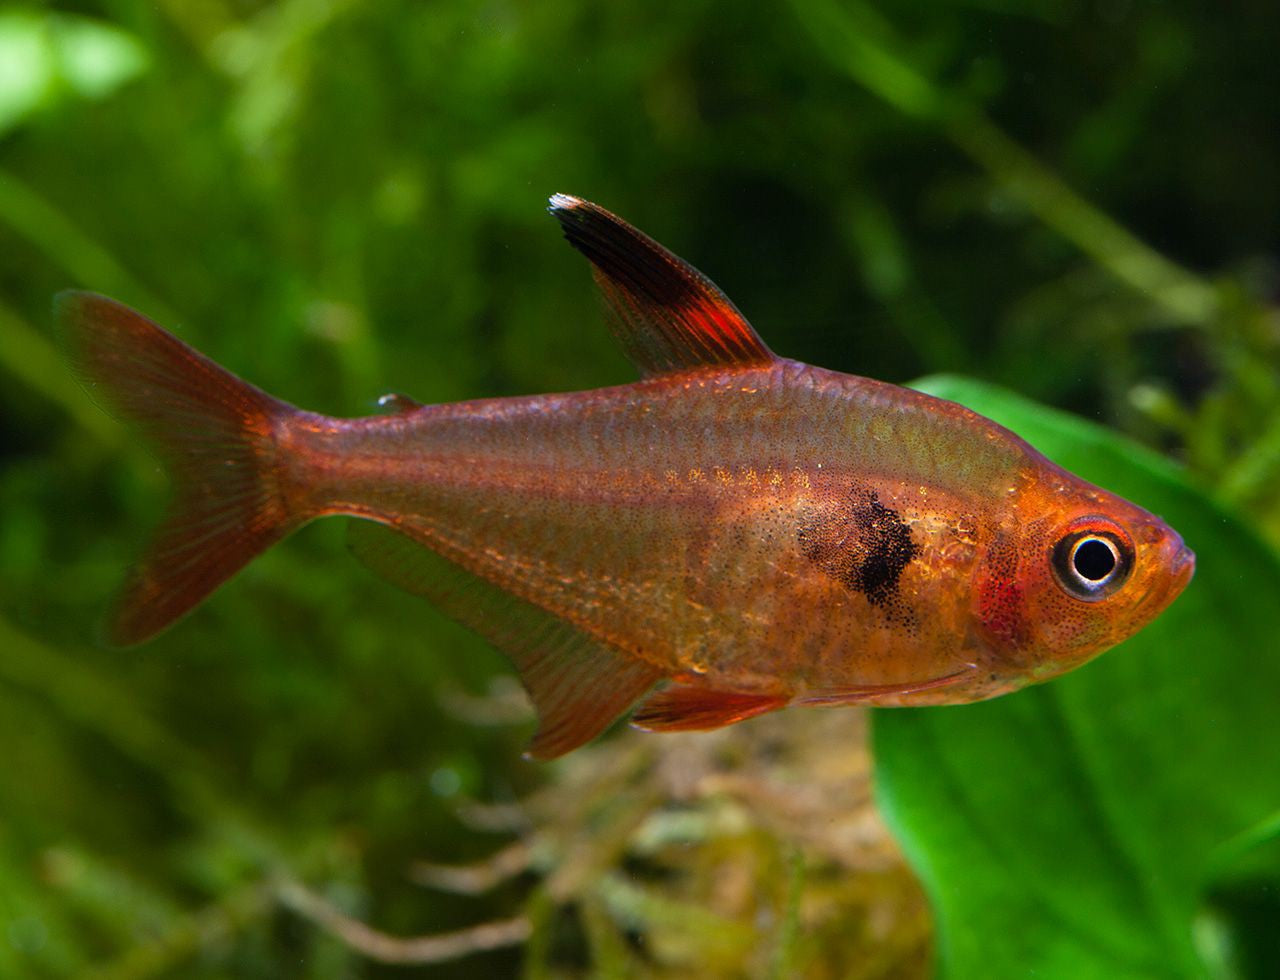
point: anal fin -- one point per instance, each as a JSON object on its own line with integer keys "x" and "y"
{"x": 696, "y": 707}
{"x": 577, "y": 683}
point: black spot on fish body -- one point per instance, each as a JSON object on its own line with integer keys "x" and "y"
{"x": 862, "y": 544}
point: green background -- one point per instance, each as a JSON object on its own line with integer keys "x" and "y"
{"x": 1074, "y": 200}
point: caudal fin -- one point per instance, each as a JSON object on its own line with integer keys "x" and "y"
{"x": 214, "y": 434}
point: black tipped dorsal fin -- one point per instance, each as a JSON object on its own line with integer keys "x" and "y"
{"x": 667, "y": 315}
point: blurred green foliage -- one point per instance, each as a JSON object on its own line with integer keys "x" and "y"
{"x": 1074, "y": 199}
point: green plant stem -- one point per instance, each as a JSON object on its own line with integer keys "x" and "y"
{"x": 1232, "y": 850}
{"x": 34, "y": 361}
{"x": 784, "y": 962}
{"x": 860, "y": 43}
{"x": 1184, "y": 296}
{"x": 1254, "y": 469}
{"x": 86, "y": 262}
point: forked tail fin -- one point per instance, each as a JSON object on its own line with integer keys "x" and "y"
{"x": 214, "y": 433}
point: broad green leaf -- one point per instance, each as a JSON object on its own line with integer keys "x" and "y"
{"x": 1072, "y": 829}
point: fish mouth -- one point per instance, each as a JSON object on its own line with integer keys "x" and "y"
{"x": 1183, "y": 568}
{"x": 1185, "y": 562}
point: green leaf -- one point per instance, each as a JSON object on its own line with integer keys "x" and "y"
{"x": 43, "y": 55}
{"x": 1073, "y": 829}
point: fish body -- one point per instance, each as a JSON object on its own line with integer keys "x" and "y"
{"x": 731, "y": 534}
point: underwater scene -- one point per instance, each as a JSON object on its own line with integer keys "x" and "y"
{"x": 639, "y": 490}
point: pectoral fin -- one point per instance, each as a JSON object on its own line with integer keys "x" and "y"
{"x": 695, "y": 707}
{"x": 577, "y": 683}
{"x": 876, "y": 693}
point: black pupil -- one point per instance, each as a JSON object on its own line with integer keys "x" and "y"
{"x": 1094, "y": 560}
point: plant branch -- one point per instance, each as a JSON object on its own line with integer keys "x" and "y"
{"x": 386, "y": 948}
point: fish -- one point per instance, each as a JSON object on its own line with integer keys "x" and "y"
{"x": 731, "y": 534}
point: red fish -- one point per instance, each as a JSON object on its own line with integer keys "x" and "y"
{"x": 731, "y": 534}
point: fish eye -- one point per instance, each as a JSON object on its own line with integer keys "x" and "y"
{"x": 1092, "y": 561}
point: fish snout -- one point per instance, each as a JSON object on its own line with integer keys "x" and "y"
{"x": 1166, "y": 566}
{"x": 1176, "y": 565}
{"x": 1175, "y": 559}
{"x": 1183, "y": 566}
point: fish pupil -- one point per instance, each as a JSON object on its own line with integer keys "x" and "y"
{"x": 1092, "y": 564}
{"x": 1094, "y": 559}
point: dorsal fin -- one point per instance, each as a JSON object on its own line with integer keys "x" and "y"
{"x": 666, "y": 314}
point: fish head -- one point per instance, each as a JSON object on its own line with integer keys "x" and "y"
{"x": 1070, "y": 572}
